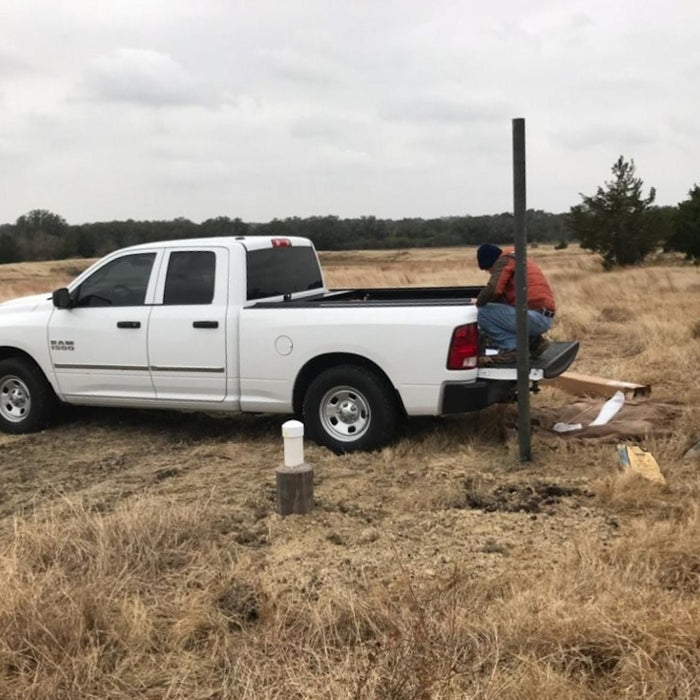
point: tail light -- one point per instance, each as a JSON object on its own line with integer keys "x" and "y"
{"x": 464, "y": 347}
{"x": 281, "y": 243}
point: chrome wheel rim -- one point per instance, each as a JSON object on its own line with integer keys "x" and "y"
{"x": 345, "y": 413}
{"x": 15, "y": 399}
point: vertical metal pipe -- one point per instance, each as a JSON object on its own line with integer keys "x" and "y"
{"x": 520, "y": 238}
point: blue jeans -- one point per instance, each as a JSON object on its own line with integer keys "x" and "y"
{"x": 498, "y": 322}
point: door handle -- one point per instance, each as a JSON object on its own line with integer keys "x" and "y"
{"x": 205, "y": 324}
{"x": 128, "y": 324}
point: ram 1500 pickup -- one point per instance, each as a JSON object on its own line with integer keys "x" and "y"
{"x": 247, "y": 324}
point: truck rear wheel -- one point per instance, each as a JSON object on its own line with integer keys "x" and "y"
{"x": 349, "y": 408}
{"x": 27, "y": 401}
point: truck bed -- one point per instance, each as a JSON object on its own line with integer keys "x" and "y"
{"x": 555, "y": 360}
{"x": 385, "y": 296}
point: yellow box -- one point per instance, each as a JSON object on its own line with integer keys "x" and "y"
{"x": 641, "y": 461}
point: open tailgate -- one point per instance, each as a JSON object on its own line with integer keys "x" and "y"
{"x": 557, "y": 358}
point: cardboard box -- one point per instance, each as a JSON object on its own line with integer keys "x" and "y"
{"x": 587, "y": 385}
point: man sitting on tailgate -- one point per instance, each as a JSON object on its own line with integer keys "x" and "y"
{"x": 496, "y": 305}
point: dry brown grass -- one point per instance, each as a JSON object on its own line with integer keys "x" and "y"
{"x": 141, "y": 556}
{"x": 22, "y": 279}
{"x": 144, "y": 602}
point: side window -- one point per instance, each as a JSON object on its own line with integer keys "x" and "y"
{"x": 122, "y": 282}
{"x": 190, "y": 278}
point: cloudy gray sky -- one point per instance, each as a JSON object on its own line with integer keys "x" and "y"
{"x": 154, "y": 109}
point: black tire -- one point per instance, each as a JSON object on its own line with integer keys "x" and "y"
{"x": 27, "y": 401}
{"x": 349, "y": 408}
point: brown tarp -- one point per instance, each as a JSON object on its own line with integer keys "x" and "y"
{"x": 635, "y": 420}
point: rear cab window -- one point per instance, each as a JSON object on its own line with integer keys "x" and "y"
{"x": 283, "y": 269}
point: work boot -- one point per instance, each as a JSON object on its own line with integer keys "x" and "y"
{"x": 484, "y": 343}
{"x": 504, "y": 357}
{"x": 538, "y": 344}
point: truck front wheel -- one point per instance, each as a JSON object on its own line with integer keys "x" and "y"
{"x": 27, "y": 400}
{"x": 349, "y": 408}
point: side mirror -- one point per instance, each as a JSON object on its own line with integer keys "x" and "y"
{"x": 61, "y": 299}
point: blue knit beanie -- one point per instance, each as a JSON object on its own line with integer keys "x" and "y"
{"x": 487, "y": 254}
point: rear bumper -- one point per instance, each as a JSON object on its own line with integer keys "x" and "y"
{"x": 473, "y": 396}
{"x": 497, "y": 383}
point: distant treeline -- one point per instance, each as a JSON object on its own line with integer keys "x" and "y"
{"x": 43, "y": 235}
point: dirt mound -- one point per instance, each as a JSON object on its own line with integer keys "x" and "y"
{"x": 521, "y": 497}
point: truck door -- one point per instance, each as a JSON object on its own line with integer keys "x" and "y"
{"x": 98, "y": 346}
{"x": 187, "y": 332}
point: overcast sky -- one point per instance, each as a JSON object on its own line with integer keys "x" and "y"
{"x": 154, "y": 109}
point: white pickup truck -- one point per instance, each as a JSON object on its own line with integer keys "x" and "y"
{"x": 247, "y": 324}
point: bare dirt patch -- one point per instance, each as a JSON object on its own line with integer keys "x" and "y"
{"x": 519, "y": 497}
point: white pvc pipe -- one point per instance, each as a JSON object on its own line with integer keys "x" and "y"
{"x": 293, "y": 435}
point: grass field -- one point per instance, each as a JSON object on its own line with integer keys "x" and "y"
{"x": 141, "y": 555}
